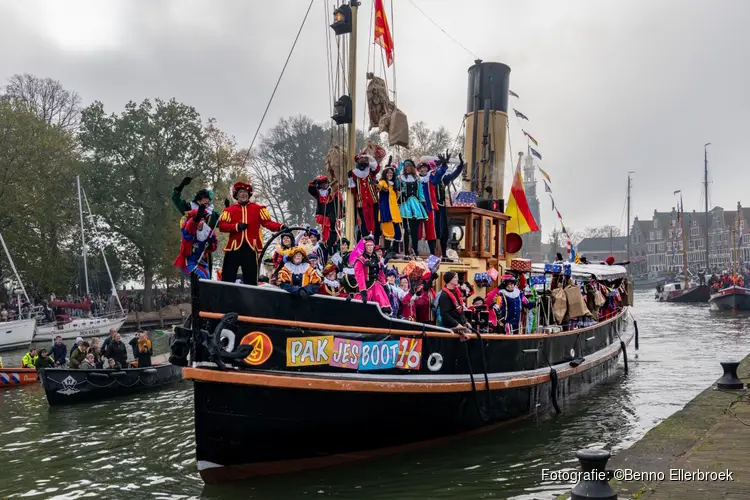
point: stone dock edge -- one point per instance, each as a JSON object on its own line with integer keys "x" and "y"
{"x": 711, "y": 434}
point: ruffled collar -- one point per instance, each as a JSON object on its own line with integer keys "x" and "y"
{"x": 298, "y": 268}
{"x": 424, "y": 178}
{"x": 511, "y": 295}
{"x": 408, "y": 178}
{"x": 331, "y": 283}
{"x": 361, "y": 174}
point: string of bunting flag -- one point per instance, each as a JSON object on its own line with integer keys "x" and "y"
{"x": 574, "y": 257}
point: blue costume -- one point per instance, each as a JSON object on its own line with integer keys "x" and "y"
{"x": 198, "y": 241}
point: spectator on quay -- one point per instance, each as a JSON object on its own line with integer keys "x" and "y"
{"x": 117, "y": 351}
{"x": 59, "y": 352}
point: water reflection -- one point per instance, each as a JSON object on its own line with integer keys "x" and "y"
{"x": 142, "y": 446}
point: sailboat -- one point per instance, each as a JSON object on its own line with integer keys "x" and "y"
{"x": 283, "y": 384}
{"x": 17, "y": 333}
{"x": 734, "y": 296}
{"x": 90, "y": 326}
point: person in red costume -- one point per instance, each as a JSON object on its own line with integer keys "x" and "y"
{"x": 331, "y": 286}
{"x": 329, "y": 206}
{"x": 243, "y": 222}
{"x": 363, "y": 184}
{"x": 416, "y": 304}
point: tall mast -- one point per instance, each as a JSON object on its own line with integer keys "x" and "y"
{"x": 83, "y": 236}
{"x": 104, "y": 256}
{"x": 705, "y": 192}
{"x": 13, "y": 266}
{"x": 684, "y": 245}
{"x": 627, "y": 244}
{"x": 352, "y": 129}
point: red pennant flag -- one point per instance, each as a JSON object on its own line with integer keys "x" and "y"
{"x": 521, "y": 219}
{"x": 383, "y": 32}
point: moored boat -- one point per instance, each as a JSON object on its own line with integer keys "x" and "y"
{"x": 64, "y": 386}
{"x": 16, "y": 334}
{"x": 731, "y": 298}
{"x": 79, "y": 327}
{"x": 11, "y": 377}
{"x": 677, "y": 292}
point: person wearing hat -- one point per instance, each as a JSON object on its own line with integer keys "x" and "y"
{"x": 297, "y": 276}
{"x": 388, "y": 210}
{"x": 363, "y": 185}
{"x": 329, "y": 206}
{"x": 330, "y": 285}
{"x": 416, "y": 303}
{"x": 243, "y": 222}
{"x": 506, "y": 305}
{"x": 428, "y": 181}
{"x": 341, "y": 255}
{"x": 444, "y": 179}
{"x": 314, "y": 261}
{"x": 202, "y": 197}
{"x": 411, "y": 206}
{"x": 369, "y": 274}
{"x": 283, "y": 250}
{"x": 313, "y": 238}
{"x": 198, "y": 243}
{"x": 451, "y": 304}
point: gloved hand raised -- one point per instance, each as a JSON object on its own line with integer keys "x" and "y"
{"x": 241, "y": 226}
{"x": 185, "y": 182}
{"x": 226, "y": 203}
{"x": 200, "y": 214}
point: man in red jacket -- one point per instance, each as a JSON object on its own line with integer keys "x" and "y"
{"x": 243, "y": 222}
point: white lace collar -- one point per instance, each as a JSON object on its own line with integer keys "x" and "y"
{"x": 298, "y": 268}
{"x": 331, "y": 283}
{"x": 511, "y": 295}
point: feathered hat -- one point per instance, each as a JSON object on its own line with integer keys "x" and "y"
{"x": 329, "y": 268}
{"x": 391, "y": 271}
{"x": 241, "y": 185}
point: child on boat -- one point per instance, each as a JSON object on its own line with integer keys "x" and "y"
{"x": 297, "y": 276}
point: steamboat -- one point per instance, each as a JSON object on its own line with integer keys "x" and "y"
{"x": 284, "y": 383}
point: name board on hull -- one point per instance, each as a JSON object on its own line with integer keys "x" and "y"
{"x": 405, "y": 353}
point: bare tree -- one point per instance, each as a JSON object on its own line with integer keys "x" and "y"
{"x": 226, "y": 161}
{"x": 601, "y": 232}
{"x": 46, "y": 98}
{"x": 424, "y": 141}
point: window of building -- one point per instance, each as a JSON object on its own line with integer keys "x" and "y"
{"x": 651, "y": 236}
{"x": 658, "y": 234}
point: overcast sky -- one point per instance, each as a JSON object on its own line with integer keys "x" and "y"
{"x": 609, "y": 85}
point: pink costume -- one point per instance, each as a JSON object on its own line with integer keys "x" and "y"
{"x": 369, "y": 275}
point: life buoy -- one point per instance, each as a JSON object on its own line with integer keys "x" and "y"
{"x": 435, "y": 362}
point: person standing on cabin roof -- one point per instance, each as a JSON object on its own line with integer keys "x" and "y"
{"x": 445, "y": 179}
{"x": 388, "y": 210}
{"x": 243, "y": 222}
{"x": 198, "y": 242}
{"x": 369, "y": 273}
{"x": 411, "y": 206}
{"x": 363, "y": 185}
{"x": 428, "y": 180}
{"x": 297, "y": 276}
{"x": 328, "y": 208}
{"x": 202, "y": 197}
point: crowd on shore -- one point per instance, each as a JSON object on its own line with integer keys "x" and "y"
{"x": 90, "y": 354}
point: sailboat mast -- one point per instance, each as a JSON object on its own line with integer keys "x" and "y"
{"x": 705, "y": 192}
{"x": 627, "y": 244}
{"x": 13, "y": 266}
{"x": 351, "y": 145}
{"x": 83, "y": 236}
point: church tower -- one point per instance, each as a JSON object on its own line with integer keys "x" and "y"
{"x": 532, "y": 242}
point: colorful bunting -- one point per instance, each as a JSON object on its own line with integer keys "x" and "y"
{"x": 520, "y": 115}
{"x": 535, "y": 152}
{"x": 546, "y": 187}
{"x": 512, "y": 93}
{"x": 530, "y": 138}
{"x": 546, "y": 176}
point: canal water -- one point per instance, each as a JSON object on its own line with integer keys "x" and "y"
{"x": 142, "y": 447}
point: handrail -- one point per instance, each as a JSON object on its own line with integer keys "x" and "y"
{"x": 390, "y": 331}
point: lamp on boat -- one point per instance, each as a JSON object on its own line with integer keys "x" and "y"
{"x": 342, "y": 20}
{"x": 342, "y": 110}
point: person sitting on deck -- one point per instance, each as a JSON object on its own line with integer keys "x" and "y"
{"x": 29, "y": 359}
{"x": 450, "y": 305}
{"x": 331, "y": 286}
{"x": 297, "y": 276}
{"x": 44, "y": 361}
{"x": 369, "y": 274}
{"x": 314, "y": 260}
{"x": 280, "y": 254}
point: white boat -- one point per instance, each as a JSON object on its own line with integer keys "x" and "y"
{"x": 78, "y": 327}
{"x": 16, "y": 334}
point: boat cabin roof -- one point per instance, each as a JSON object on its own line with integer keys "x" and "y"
{"x": 601, "y": 272}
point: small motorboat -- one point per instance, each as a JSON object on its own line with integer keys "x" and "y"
{"x": 64, "y": 386}
{"x": 11, "y": 377}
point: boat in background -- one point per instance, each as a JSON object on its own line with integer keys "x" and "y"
{"x": 17, "y": 333}
{"x": 734, "y": 296}
{"x": 647, "y": 281}
{"x": 89, "y": 326}
{"x": 63, "y": 386}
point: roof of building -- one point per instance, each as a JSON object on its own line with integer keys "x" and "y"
{"x": 616, "y": 244}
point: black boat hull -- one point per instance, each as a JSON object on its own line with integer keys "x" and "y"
{"x": 731, "y": 299}
{"x": 275, "y": 412}
{"x": 698, "y": 294}
{"x": 64, "y": 386}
